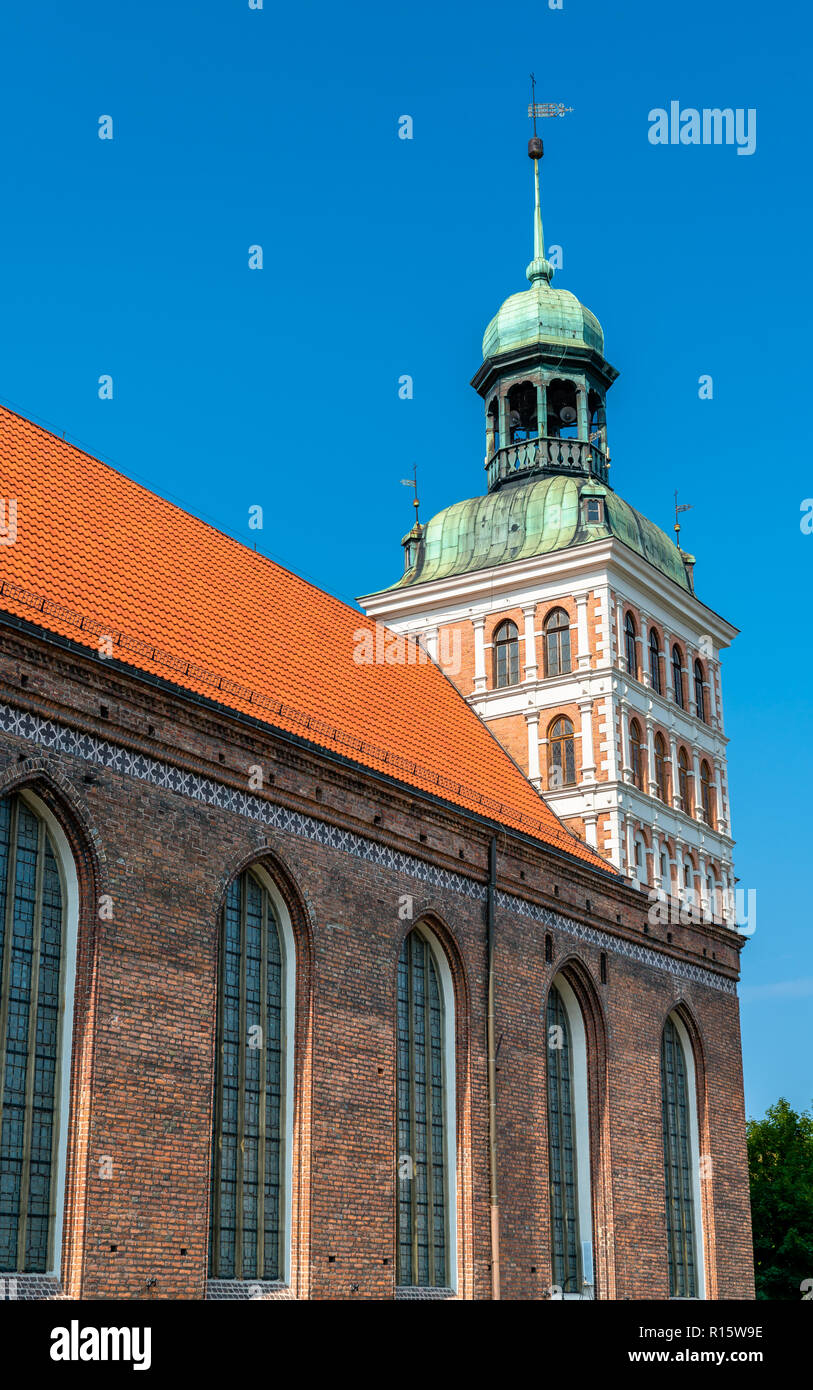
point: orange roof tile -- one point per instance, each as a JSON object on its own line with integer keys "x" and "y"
{"x": 189, "y": 604}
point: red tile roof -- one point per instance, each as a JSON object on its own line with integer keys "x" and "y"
{"x": 186, "y": 603}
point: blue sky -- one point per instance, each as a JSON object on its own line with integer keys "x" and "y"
{"x": 232, "y": 388}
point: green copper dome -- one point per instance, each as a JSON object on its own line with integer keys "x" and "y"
{"x": 542, "y": 314}
{"x": 535, "y": 517}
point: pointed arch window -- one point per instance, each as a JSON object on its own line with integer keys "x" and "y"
{"x": 631, "y": 645}
{"x": 680, "y": 1161}
{"x": 38, "y": 908}
{"x": 251, "y": 1168}
{"x": 506, "y": 655}
{"x": 637, "y": 754}
{"x": 699, "y": 692}
{"x": 561, "y": 754}
{"x": 677, "y": 677}
{"x": 655, "y": 662}
{"x": 706, "y": 801}
{"x": 661, "y": 768}
{"x": 425, "y": 1106}
{"x": 557, "y": 643}
{"x": 683, "y": 782}
{"x": 568, "y": 1144}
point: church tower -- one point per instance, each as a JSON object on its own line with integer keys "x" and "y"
{"x": 570, "y": 621}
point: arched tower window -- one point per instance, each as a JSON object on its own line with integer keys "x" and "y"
{"x": 557, "y": 643}
{"x": 655, "y": 662}
{"x": 426, "y": 1126}
{"x": 522, "y": 411}
{"x": 699, "y": 692}
{"x": 677, "y": 677}
{"x": 637, "y": 754}
{"x": 568, "y": 1143}
{"x": 561, "y": 754}
{"x": 251, "y": 1168}
{"x": 681, "y": 1162}
{"x": 38, "y": 912}
{"x": 506, "y": 655}
{"x": 661, "y": 768}
{"x": 563, "y": 412}
{"x": 683, "y": 781}
{"x": 706, "y": 799}
{"x": 631, "y": 645}
{"x": 493, "y": 427}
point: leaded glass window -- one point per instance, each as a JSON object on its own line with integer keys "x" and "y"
{"x": 32, "y": 973}
{"x": 637, "y": 754}
{"x": 247, "y": 1222}
{"x": 677, "y": 1161}
{"x": 631, "y": 645}
{"x": 506, "y": 655}
{"x": 677, "y": 677}
{"x": 557, "y": 643}
{"x": 566, "y": 1253}
{"x": 655, "y": 661}
{"x": 561, "y": 756}
{"x": 699, "y": 691}
{"x": 422, "y": 1137}
{"x": 661, "y": 767}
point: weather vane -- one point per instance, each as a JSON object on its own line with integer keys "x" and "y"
{"x": 544, "y": 108}
{"x": 413, "y": 482}
{"x": 684, "y": 507}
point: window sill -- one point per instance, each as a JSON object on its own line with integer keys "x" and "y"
{"x": 229, "y": 1290}
{"x": 27, "y": 1287}
{"x": 417, "y": 1293}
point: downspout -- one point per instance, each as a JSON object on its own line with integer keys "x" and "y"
{"x": 492, "y": 1073}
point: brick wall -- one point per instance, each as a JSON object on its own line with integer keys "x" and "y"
{"x": 143, "y": 1040}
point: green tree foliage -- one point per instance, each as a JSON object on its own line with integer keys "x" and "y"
{"x": 780, "y": 1165}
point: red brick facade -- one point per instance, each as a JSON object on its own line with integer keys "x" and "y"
{"x": 144, "y": 1016}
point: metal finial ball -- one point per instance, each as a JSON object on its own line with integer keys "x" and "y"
{"x": 535, "y": 148}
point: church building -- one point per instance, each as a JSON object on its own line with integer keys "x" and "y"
{"x": 306, "y": 990}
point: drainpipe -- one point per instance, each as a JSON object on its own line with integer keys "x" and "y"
{"x": 492, "y": 1073}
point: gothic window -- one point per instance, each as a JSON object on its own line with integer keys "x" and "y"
{"x": 561, "y": 755}
{"x": 568, "y": 1143}
{"x": 637, "y": 754}
{"x": 35, "y": 1018}
{"x": 699, "y": 692}
{"x": 683, "y": 782}
{"x": 661, "y": 768}
{"x": 678, "y": 1103}
{"x": 677, "y": 677}
{"x": 557, "y": 643}
{"x": 630, "y": 645}
{"x": 706, "y": 793}
{"x": 506, "y": 655}
{"x": 250, "y": 1172}
{"x": 655, "y": 662}
{"x": 425, "y": 1103}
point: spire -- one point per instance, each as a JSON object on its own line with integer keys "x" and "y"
{"x": 539, "y": 269}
